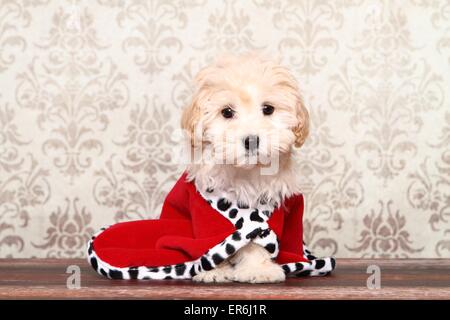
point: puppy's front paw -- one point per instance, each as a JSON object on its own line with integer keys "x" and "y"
{"x": 215, "y": 275}
{"x": 268, "y": 273}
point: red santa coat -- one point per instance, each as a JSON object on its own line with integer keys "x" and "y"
{"x": 195, "y": 233}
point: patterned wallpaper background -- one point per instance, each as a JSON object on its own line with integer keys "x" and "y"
{"x": 91, "y": 92}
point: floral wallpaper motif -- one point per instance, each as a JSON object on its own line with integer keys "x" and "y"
{"x": 91, "y": 93}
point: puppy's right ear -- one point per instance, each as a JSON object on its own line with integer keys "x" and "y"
{"x": 190, "y": 121}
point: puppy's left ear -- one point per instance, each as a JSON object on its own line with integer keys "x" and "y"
{"x": 301, "y": 130}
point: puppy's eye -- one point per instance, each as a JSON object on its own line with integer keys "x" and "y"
{"x": 268, "y": 109}
{"x": 227, "y": 112}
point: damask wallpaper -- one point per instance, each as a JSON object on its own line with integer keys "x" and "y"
{"x": 91, "y": 92}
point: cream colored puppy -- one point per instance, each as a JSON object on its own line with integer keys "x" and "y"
{"x": 245, "y": 118}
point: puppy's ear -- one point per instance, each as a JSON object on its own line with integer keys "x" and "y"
{"x": 190, "y": 120}
{"x": 301, "y": 131}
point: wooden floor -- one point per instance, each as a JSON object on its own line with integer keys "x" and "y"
{"x": 400, "y": 279}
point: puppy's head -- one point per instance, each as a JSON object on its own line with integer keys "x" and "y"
{"x": 245, "y": 111}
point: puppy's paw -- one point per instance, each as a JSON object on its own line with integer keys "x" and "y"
{"x": 268, "y": 273}
{"x": 215, "y": 275}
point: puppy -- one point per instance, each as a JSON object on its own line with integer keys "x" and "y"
{"x": 244, "y": 121}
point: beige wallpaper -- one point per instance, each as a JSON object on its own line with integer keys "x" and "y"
{"x": 91, "y": 92}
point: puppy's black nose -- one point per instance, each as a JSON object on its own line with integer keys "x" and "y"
{"x": 251, "y": 143}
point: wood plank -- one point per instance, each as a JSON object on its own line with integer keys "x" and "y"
{"x": 400, "y": 279}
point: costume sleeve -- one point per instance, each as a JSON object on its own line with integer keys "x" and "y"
{"x": 179, "y": 205}
{"x": 291, "y": 244}
{"x": 291, "y": 256}
{"x": 176, "y": 204}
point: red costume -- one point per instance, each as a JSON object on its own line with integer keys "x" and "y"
{"x": 195, "y": 232}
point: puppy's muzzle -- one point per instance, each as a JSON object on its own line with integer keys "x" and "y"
{"x": 251, "y": 143}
